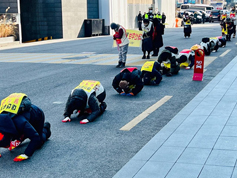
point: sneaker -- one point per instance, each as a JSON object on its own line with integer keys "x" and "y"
{"x": 148, "y": 57}
{"x": 143, "y": 57}
{"x": 84, "y": 121}
{"x": 14, "y": 144}
{"x": 187, "y": 68}
{"x": 67, "y": 119}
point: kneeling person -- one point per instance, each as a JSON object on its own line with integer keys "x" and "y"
{"x": 151, "y": 73}
{"x": 168, "y": 60}
{"x": 128, "y": 82}
{"x": 19, "y": 120}
{"x": 87, "y": 95}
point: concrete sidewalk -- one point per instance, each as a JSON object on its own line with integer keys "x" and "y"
{"x": 200, "y": 141}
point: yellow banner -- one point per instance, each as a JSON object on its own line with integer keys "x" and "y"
{"x": 148, "y": 66}
{"x": 88, "y": 85}
{"x": 12, "y": 103}
{"x": 134, "y": 37}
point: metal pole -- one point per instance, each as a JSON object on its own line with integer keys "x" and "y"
{"x": 19, "y": 14}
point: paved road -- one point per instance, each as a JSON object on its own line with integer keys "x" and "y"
{"x": 47, "y": 73}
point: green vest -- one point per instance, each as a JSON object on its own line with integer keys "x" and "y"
{"x": 159, "y": 16}
{"x": 155, "y": 16}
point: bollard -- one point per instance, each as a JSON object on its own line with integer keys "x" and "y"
{"x": 176, "y": 24}
{"x": 198, "y": 65}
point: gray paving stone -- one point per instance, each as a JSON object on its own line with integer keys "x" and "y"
{"x": 232, "y": 119}
{"x": 229, "y": 131}
{"x": 194, "y": 156}
{"x": 222, "y": 158}
{"x": 167, "y": 154}
{"x": 179, "y": 140}
{"x": 207, "y": 129}
{"x": 216, "y": 120}
{"x": 201, "y": 140}
{"x": 234, "y": 175}
{"x": 195, "y": 120}
{"x": 181, "y": 170}
{"x": 216, "y": 172}
{"x": 228, "y": 105}
{"x": 188, "y": 129}
{"x": 130, "y": 169}
{"x": 154, "y": 170}
{"x": 226, "y": 143}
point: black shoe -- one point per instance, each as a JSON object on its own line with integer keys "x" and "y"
{"x": 143, "y": 57}
{"x": 47, "y": 127}
{"x": 169, "y": 74}
{"x": 119, "y": 63}
{"x": 103, "y": 106}
{"x": 154, "y": 55}
{"x": 122, "y": 65}
{"x": 148, "y": 57}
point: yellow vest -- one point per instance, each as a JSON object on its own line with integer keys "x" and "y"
{"x": 146, "y": 16}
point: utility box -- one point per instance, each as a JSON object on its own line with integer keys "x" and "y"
{"x": 93, "y": 27}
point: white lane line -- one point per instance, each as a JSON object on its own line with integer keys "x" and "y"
{"x": 224, "y": 53}
{"x": 146, "y": 113}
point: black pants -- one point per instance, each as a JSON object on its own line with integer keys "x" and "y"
{"x": 140, "y": 26}
{"x": 234, "y": 29}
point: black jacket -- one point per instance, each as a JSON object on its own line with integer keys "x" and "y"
{"x": 30, "y": 124}
{"x": 78, "y": 101}
{"x": 134, "y": 78}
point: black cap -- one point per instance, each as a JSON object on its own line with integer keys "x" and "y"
{"x": 114, "y": 26}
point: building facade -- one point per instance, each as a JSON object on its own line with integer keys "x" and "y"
{"x": 65, "y": 19}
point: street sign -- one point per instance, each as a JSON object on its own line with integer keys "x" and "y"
{"x": 198, "y": 65}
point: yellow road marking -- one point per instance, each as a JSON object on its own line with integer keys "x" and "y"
{"x": 224, "y": 53}
{"x": 146, "y": 113}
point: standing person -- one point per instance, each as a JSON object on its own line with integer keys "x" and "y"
{"x": 203, "y": 17}
{"x": 157, "y": 40}
{"x": 87, "y": 97}
{"x": 122, "y": 41}
{"x": 187, "y": 26}
{"x": 144, "y": 16}
{"x": 230, "y": 27}
{"x": 27, "y": 122}
{"x": 163, "y": 18}
{"x": 150, "y": 14}
{"x": 147, "y": 28}
{"x": 139, "y": 18}
{"x": 233, "y": 17}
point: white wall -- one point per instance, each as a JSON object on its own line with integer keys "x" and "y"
{"x": 168, "y": 7}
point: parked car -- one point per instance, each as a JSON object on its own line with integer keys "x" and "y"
{"x": 215, "y": 15}
{"x": 199, "y": 15}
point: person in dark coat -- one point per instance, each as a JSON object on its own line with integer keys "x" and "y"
{"x": 157, "y": 40}
{"x": 27, "y": 124}
{"x": 139, "y": 19}
{"x": 86, "y": 102}
{"x": 147, "y": 28}
{"x": 163, "y": 19}
{"x": 230, "y": 28}
{"x": 203, "y": 17}
{"x": 151, "y": 73}
{"x": 128, "y": 82}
